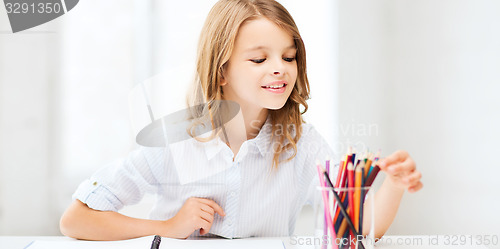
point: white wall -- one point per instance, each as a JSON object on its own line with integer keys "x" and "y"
{"x": 27, "y": 78}
{"x": 427, "y": 74}
{"x": 63, "y": 110}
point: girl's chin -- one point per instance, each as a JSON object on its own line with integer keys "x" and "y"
{"x": 275, "y": 106}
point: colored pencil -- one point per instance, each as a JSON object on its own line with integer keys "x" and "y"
{"x": 361, "y": 202}
{"x": 367, "y": 166}
{"x": 325, "y": 202}
{"x": 325, "y": 230}
{"x": 371, "y": 177}
{"x": 342, "y": 229}
{"x": 357, "y": 195}
{"x": 350, "y": 184}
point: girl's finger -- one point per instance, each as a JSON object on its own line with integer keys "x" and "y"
{"x": 394, "y": 169}
{"x": 213, "y": 205}
{"x": 207, "y": 216}
{"x": 206, "y": 208}
{"x": 398, "y": 156}
{"x": 416, "y": 188}
{"x": 204, "y": 226}
{"x": 403, "y": 168}
{"x": 413, "y": 178}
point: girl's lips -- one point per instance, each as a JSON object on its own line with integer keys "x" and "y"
{"x": 276, "y": 90}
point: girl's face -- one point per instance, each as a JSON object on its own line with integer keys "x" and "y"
{"x": 262, "y": 70}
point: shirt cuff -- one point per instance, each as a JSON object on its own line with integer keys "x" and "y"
{"x": 97, "y": 196}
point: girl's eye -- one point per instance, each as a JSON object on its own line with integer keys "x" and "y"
{"x": 289, "y": 59}
{"x": 258, "y": 60}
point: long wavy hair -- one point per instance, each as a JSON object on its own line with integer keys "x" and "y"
{"x": 215, "y": 47}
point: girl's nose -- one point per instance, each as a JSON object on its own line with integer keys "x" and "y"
{"x": 278, "y": 68}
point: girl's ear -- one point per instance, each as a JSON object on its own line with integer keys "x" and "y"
{"x": 223, "y": 81}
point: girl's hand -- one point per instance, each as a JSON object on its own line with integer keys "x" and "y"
{"x": 196, "y": 213}
{"x": 402, "y": 171}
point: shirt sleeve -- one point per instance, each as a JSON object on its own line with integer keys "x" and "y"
{"x": 122, "y": 182}
{"x": 317, "y": 149}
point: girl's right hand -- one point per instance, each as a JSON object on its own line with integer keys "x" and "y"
{"x": 196, "y": 213}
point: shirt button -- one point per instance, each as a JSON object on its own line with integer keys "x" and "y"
{"x": 229, "y": 222}
{"x": 232, "y": 193}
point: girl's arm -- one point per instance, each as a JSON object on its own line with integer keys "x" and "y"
{"x": 401, "y": 174}
{"x": 386, "y": 205}
{"x": 81, "y": 222}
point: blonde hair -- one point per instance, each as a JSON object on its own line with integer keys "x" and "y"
{"x": 215, "y": 47}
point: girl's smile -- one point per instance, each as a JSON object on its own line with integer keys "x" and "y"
{"x": 276, "y": 86}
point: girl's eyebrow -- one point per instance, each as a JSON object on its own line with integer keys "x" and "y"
{"x": 264, "y": 48}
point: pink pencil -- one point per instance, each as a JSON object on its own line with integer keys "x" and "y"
{"x": 326, "y": 204}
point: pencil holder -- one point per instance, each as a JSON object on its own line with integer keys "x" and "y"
{"x": 333, "y": 229}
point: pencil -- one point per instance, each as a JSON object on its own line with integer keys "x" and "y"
{"x": 342, "y": 229}
{"x": 367, "y": 165}
{"x": 350, "y": 184}
{"x": 338, "y": 182}
{"x": 357, "y": 195}
{"x": 325, "y": 229}
{"x": 361, "y": 203}
{"x": 338, "y": 215}
{"x": 371, "y": 177}
{"x": 339, "y": 175}
{"x": 325, "y": 201}
{"x": 350, "y": 192}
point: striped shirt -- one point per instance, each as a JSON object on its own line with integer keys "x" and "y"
{"x": 257, "y": 200}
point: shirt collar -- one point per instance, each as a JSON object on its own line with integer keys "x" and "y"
{"x": 213, "y": 147}
{"x": 262, "y": 141}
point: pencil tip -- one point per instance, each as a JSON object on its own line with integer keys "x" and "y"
{"x": 350, "y": 165}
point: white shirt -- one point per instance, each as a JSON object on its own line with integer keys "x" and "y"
{"x": 257, "y": 200}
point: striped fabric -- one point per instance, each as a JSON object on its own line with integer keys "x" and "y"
{"x": 257, "y": 200}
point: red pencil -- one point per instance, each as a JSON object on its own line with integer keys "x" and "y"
{"x": 339, "y": 175}
{"x": 350, "y": 183}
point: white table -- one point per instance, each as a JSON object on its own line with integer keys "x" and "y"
{"x": 294, "y": 242}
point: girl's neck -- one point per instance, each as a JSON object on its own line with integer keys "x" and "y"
{"x": 245, "y": 125}
{"x": 254, "y": 119}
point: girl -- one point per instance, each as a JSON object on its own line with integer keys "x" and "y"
{"x": 256, "y": 173}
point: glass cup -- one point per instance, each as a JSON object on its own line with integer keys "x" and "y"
{"x": 361, "y": 220}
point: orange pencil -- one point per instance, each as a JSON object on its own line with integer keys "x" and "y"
{"x": 342, "y": 229}
{"x": 357, "y": 194}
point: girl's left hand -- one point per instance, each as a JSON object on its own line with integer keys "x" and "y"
{"x": 402, "y": 171}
